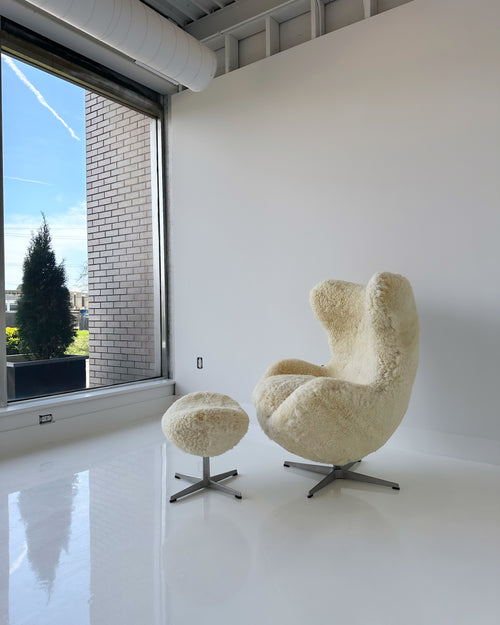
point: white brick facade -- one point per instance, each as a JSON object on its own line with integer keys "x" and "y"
{"x": 121, "y": 273}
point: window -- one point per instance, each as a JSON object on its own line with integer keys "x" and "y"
{"x": 82, "y": 151}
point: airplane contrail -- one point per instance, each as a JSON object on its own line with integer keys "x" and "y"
{"x": 38, "y": 95}
{"x": 27, "y": 180}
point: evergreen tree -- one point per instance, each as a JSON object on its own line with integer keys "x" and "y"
{"x": 44, "y": 319}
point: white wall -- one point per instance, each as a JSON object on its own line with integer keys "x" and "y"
{"x": 376, "y": 147}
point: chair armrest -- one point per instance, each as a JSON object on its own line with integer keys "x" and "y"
{"x": 293, "y": 366}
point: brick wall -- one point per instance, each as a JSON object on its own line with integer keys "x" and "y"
{"x": 122, "y": 312}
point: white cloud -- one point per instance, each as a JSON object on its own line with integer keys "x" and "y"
{"x": 38, "y": 95}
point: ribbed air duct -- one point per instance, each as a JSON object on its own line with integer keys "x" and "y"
{"x": 134, "y": 29}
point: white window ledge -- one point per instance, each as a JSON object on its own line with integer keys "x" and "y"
{"x": 76, "y": 415}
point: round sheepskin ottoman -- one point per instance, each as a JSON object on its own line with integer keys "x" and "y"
{"x": 205, "y": 424}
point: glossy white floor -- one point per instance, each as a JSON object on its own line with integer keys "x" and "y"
{"x": 88, "y": 537}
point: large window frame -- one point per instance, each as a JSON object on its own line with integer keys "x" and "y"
{"x": 27, "y": 46}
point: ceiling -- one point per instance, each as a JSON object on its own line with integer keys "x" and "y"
{"x": 184, "y": 12}
{"x": 204, "y": 19}
{"x": 210, "y": 21}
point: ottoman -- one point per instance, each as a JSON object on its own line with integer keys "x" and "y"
{"x": 205, "y": 424}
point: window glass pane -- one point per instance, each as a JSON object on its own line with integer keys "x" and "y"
{"x": 86, "y": 167}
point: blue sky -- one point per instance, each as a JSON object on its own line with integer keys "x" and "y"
{"x": 44, "y": 166}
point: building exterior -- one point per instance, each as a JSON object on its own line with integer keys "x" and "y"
{"x": 79, "y": 304}
{"x": 123, "y": 318}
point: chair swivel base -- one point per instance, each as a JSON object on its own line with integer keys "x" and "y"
{"x": 336, "y": 472}
{"x": 207, "y": 481}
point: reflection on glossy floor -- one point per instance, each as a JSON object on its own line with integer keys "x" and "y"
{"x": 88, "y": 537}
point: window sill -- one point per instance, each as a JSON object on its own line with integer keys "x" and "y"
{"x": 80, "y": 414}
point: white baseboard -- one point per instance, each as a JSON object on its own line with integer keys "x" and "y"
{"x": 472, "y": 448}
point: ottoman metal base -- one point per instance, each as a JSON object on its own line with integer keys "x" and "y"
{"x": 337, "y": 472}
{"x": 208, "y": 481}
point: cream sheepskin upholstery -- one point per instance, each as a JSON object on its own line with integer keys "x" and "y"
{"x": 339, "y": 413}
{"x": 205, "y": 424}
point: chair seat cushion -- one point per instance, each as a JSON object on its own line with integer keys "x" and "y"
{"x": 316, "y": 419}
{"x": 271, "y": 392}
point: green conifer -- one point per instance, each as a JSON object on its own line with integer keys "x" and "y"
{"x": 44, "y": 319}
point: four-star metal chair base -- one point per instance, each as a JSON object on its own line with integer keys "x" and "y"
{"x": 208, "y": 481}
{"x": 337, "y": 472}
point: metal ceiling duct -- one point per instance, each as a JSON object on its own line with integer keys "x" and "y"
{"x": 141, "y": 33}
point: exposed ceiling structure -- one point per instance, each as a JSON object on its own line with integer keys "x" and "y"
{"x": 184, "y": 12}
{"x": 239, "y": 32}
{"x": 205, "y": 18}
{"x": 244, "y": 31}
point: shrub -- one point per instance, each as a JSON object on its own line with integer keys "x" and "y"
{"x": 12, "y": 340}
{"x": 80, "y": 346}
{"x": 44, "y": 317}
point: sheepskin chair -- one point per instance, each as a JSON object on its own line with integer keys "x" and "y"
{"x": 338, "y": 413}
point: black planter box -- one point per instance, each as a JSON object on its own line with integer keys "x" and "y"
{"x": 34, "y": 378}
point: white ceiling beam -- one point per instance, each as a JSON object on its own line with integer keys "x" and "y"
{"x": 317, "y": 18}
{"x": 167, "y": 9}
{"x": 232, "y": 53}
{"x": 272, "y": 36}
{"x": 240, "y": 11}
{"x": 189, "y": 8}
{"x": 370, "y": 7}
{"x": 202, "y": 8}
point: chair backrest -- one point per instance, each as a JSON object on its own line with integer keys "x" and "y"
{"x": 373, "y": 330}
